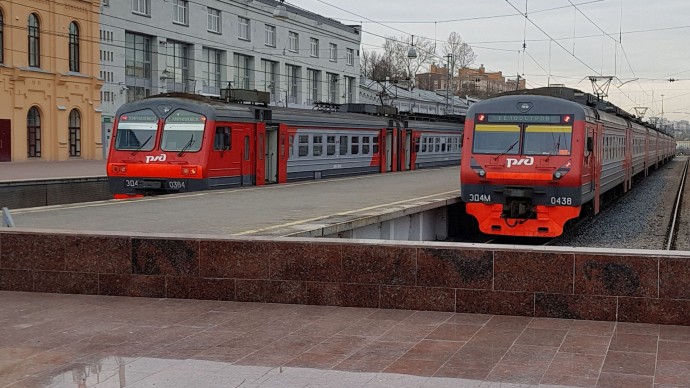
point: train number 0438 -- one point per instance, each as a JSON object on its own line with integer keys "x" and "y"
{"x": 567, "y": 201}
{"x": 480, "y": 198}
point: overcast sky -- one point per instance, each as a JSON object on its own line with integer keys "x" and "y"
{"x": 655, "y": 37}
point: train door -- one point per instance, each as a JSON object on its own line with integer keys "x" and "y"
{"x": 415, "y": 146}
{"x": 5, "y": 140}
{"x": 260, "y": 155}
{"x": 246, "y": 166}
{"x": 598, "y": 157}
{"x": 388, "y": 142}
{"x": 271, "y": 155}
{"x": 283, "y": 152}
{"x": 408, "y": 149}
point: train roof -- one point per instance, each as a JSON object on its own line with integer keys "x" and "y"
{"x": 219, "y": 110}
{"x": 213, "y": 109}
{"x": 585, "y": 99}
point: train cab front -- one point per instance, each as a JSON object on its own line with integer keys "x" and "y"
{"x": 519, "y": 179}
{"x": 133, "y": 178}
{"x": 147, "y": 161}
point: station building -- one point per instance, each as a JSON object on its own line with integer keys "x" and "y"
{"x": 155, "y": 46}
{"x": 49, "y": 90}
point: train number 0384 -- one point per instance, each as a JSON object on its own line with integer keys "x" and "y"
{"x": 480, "y": 198}
{"x": 567, "y": 201}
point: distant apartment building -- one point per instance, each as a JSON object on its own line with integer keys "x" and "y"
{"x": 479, "y": 82}
{"x": 467, "y": 81}
{"x": 48, "y": 76}
{"x": 156, "y": 46}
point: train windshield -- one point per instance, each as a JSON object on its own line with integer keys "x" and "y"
{"x": 547, "y": 140}
{"x": 496, "y": 139}
{"x": 183, "y": 131}
{"x": 136, "y": 131}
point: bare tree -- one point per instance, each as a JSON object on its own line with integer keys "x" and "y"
{"x": 377, "y": 66}
{"x": 461, "y": 53}
{"x": 398, "y": 48}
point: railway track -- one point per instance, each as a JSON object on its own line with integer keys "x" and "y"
{"x": 673, "y": 226}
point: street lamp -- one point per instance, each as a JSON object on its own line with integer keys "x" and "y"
{"x": 280, "y": 12}
{"x": 412, "y": 53}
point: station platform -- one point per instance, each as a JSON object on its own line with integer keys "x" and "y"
{"x": 53, "y": 340}
{"x": 297, "y": 209}
{"x": 38, "y": 170}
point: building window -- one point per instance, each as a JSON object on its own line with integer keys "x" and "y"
{"x": 292, "y": 78}
{"x": 294, "y": 42}
{"x": 74, "y": 133}
{"x": 332, "y": 88}
{"x": 2, "y": 39}
{"x": 211, "y": 71}
{"x": 350, "y": 57}
{"x": 333, "y": 52}
{"x": 243, "y": 66}
{"x": 180, "y": 12}
{"x": 243, "y": 25}
{"x": 270, "y": 77}
{"x": 214, "y": 21}
{"x": 314, "y": 77}
{"x": 73, "y": 47}
{"x": 142, "y": 7}
{"x": 349, "y": 89}
{"x": 270, "y": 35}
{"x": 314, "y": 45}
{"x": 177, "y": 66}
{"x": 34, "y": 41}
{"x": 33, "y": 127}
{"x": 138, "y": 52}
{"x": 136, "y": 93}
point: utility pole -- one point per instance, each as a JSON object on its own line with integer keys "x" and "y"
{"x": 448, "y": 81}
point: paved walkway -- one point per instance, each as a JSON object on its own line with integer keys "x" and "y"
{"x": 51, "y": 340}
{"x": 39, "y": 170}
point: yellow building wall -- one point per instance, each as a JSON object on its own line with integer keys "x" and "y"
{"x": 51, "y": 88}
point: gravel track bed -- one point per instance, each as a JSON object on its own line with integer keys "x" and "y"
{"x": 639, "y": 220}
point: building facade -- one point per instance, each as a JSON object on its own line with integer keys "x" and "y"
{"x": 478, "y": 82}
{"x": 157, "y": 46}
{"x": 48, "y": 80}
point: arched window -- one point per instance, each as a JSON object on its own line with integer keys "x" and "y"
{"x": 33, "y": 129}
{"x": 2, "y": 38}
{"x": 74, "y": 133}
{"x": 74, "y": 47}
{"x": 34, "y": 41}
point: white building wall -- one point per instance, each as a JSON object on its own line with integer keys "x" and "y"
{"x": 117, "y": 19}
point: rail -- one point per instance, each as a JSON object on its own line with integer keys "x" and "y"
{"x": 671, "y": 237}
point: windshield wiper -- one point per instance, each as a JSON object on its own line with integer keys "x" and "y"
{"x": 142, "y": 145}
{"x": 509, "y": 149}
{"x": 186, "y": 147}
{"x": 556, "y": 148}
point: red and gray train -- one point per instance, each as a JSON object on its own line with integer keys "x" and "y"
{"x": 535, "y": 159}
{"x": 180, "y": 143}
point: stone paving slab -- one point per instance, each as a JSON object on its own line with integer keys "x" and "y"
{"x": 52, "y": 340}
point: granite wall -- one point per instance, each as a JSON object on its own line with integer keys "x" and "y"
{"x": 630, "y": 286}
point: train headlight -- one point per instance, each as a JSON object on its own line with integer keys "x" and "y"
{"x": 557, "y": 175}
{"x": 482, "y": 173}
{"x": 189, "y": 171}
{"x": 119, "y": 168}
